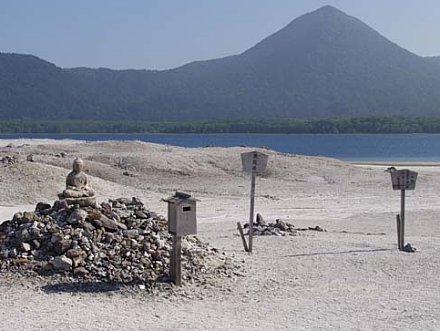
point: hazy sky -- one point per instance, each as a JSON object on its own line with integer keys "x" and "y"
{"x": 159, "y": 34}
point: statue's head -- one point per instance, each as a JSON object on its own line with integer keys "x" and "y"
{"x": 78, "y": 164}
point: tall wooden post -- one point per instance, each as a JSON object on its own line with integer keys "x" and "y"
{"x": 254, "y": 163}
{"x": 398, "y": 232}
{"x": 251, "y": 212}
{"x": 402, "y": 180}
{"x": 402, "y": 219}
{"x": 176, "y": 261}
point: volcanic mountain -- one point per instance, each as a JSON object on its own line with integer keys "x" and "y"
{"x": 324, "y": 64}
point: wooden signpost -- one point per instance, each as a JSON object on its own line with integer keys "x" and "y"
{"x": 402, "y": 180}
{"x": 253, "y": 163}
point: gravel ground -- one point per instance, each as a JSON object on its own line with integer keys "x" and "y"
{"x": 350, "y": 277}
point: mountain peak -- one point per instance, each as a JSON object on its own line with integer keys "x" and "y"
{"x": 324, "y": 26}
{"x": 327, "y": 14}
{"x": 328, "y": 9}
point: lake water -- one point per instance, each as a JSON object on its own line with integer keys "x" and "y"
{"x": 350, "y": 147}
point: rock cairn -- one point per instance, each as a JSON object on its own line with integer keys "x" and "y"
{"x": 119, "y": 241}
{"x": 8, "y": 160}
{"x": 279, "y": 228}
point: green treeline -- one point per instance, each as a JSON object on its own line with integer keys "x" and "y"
{"x": 342, "y": 125}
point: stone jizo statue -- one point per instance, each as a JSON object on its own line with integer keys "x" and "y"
{"x": 77, "y": 190}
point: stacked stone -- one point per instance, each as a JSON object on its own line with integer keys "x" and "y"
{"x": 8, "y": 160}
{"x": 119, "y": 241}
{"x": 279, "y": 228}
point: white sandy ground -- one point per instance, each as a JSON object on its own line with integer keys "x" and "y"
{"x": 351, "y": 277}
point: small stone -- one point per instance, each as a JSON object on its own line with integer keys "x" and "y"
{"x": 140, "y": 214}
{"x": 46, "y": 266}
{"x": 62, "y": 246}
{"x": 41, "y": 206}
{"x": 60, "y": 205}
{"x": 17, "y": 217}
{"x": 108, "y": 224}
{"x": 131, "y": 233}
{"x": 13, "y": 253}
{"x": 124, "y": 201}
{"x": 281, "y": 225}
{"x": 62, "y": 263}
{"x": 88, "y": 226}
{"x": 35, "y": 232}
{"x": 85, "y": 242}
{"x": 80, "y": 272}
{"x": 29, "y": 216}
{"x": 77, "y": 216}
{"x": 4, "y": 254}
{"x": 56, "y": 237}
{"x": 77, "y": 256}
{"x": 260, "y": 220}
{"x": 145, "y": 261}
{"x": 96, "y": 224}
{"x": 25, "y": 247}
{"x": 409, "y": 249}
{"x": 109, "y": 237}
{"x": 22, "y": 236}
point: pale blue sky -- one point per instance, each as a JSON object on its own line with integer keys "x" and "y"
{"x": 159, "y": 34}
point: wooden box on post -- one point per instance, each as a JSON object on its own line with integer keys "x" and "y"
{"x": 403, "y": 179}
{"x": 182, "y": 219}
{"x": 181, "y": 222}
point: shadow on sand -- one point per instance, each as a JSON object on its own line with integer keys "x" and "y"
{"x": 101, "y": 287}
{"x": 343, "y": 252}
{"x": 82, "y": 287}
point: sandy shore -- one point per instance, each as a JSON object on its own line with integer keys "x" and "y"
{"x": 349, "y": 278}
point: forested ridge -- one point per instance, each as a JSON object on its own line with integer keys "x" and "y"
{"x": 343, "y": 125}
{"x": 325, "y": 64}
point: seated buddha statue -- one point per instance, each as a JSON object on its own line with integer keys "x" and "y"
{"x": 77, "y": 190}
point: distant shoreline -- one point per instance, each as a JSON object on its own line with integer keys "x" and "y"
{"x": 396, "y": 164}
{"x": 407, "y": 150}
{"x": 346, "y": 125}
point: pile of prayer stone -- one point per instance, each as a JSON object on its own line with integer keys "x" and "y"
{"x": 119, "y": 241}
{"x": 279, "y": 228}
{"x": 8, "y": 160}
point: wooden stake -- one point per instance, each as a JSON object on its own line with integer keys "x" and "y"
{"x": 176, "y": 261}
{"x": 243, "y": 239}
{"x": 402, "y": 219}
{"x": 251, "y": 213}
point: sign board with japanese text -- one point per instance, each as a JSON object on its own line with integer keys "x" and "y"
{"x": 254, "y": 162}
